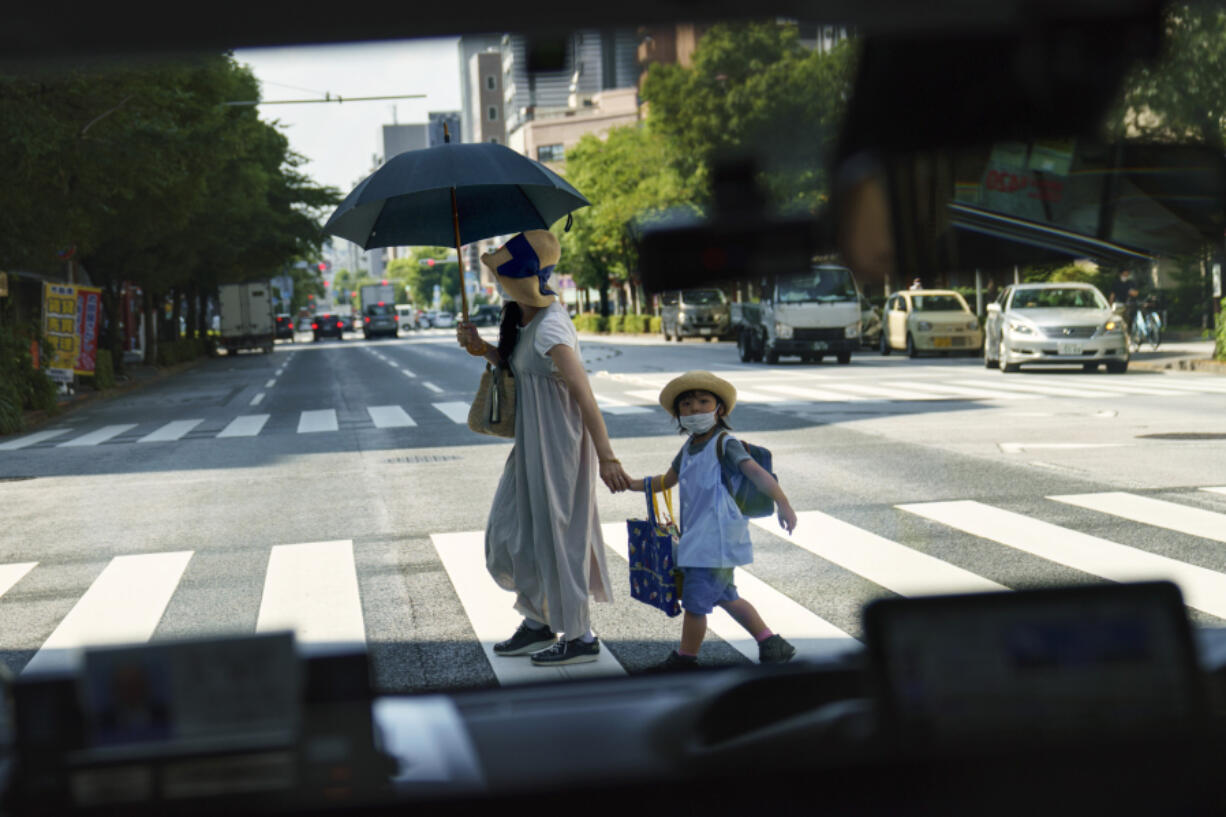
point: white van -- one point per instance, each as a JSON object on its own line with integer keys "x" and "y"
{"x": 406, "y": 316}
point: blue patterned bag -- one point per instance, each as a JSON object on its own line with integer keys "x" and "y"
{"x": 654, "y": 576}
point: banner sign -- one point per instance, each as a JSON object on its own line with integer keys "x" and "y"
{"x": 72, "y": 316}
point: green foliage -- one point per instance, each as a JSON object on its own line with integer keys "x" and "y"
{"x": 655, "y": 325}
{"x": 104, "y": 370}
{"x": 636, "y": 324}
{"x": 421, "y": 278}
{"x": 183, "y": 350}
{"x": 616, "y": 323}
{"x": 22, "y": 387}
{"x": 1219, "y": 351}
{"x": 591, "y": 322}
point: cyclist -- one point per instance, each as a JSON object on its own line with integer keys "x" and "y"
{"x": 1125, "y": 291}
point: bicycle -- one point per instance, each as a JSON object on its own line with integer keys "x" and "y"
{"x": 1146, "y": 326}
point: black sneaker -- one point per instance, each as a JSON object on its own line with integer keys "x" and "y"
{"x": 561, "y": 653}
{"x": 775, "y": 650}
{"x": 526, "y": 640}
{"x": 676, "y": 662}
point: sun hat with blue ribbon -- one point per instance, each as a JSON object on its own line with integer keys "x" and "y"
{"x": 523, "y": 266}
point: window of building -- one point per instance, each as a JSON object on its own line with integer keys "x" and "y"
{"x": 551, "y": 153}
{"x": 492, "y": 113}
{"x": 490, "y": 83}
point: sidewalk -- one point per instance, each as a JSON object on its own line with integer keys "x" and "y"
{"x": 1194, "y": 355}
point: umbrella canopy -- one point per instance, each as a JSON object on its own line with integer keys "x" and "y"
{"x": 407, "y": 201}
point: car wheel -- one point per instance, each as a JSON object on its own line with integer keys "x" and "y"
{"x": 911, "y": 350}
{"x": 744, "y": 346}
{"x": 1005, "y": 365}
{"x": 844, "y": 358}
{"x": 315, "y": 339}
{"x": 885, "y": 346}
{"x": 772, "y": 357}
{"x": 1117, "y": 366}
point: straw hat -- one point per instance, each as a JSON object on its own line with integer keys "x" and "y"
{"x": 725, "y": 391}
{"x": 523, "y": 266}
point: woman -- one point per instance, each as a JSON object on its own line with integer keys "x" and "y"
{"x": 543, "y": 537}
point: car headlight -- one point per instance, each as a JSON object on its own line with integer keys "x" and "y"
{"x": 972, "y": 325}
{"x": 1022, "y": 328}
{"x": 1112, "y": 325}
{"x": 782, "y": 330}
{"x": 852, "y": 331}
{"x": 924, "y": 326}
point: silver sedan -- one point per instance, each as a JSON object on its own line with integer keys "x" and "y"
{"x": 1054, "y": 324}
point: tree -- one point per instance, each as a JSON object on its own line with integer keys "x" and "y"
{"x": 754, "y": 90}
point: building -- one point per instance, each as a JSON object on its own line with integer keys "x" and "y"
{"x": 473, "y": 76}
{"x": 435, "y": 132}
{"x": 400, "y": 138}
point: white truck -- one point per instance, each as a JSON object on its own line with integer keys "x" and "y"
{"x": 810, "y": 314}
{"x": 247, "y": 320}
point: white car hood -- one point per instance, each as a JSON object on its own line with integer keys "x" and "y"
{"x": 1069, "y": 316}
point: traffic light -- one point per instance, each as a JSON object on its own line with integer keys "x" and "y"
{"x": 327, "y": 284}
{"x": 323, "y": 267}
{"x": 429, "y": 262}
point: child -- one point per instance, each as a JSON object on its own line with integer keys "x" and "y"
{"x": 714, "y": 533}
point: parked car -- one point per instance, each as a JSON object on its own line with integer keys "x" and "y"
{"x": 328, "y": 325}
{"x": 284, "y": 327}
{"x": 443, "y": 320}
{"x": 870, "y": 323}
{"x": 929, "y": 320}
{"x": 486, "y": 315}
{"x": 699, "y": 313}
{"x": 1054, "y": 323}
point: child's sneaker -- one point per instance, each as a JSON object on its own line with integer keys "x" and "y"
{"x": 676, "y": 662}
{"x": 526, "y": 640}
{"x": 575, "y": 651}
{"x": 774, "y": 650}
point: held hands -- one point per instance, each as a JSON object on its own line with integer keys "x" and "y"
{"x": 614, "y": 476}
{"x": 466, "y": 334}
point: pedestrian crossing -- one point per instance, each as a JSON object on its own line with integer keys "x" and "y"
{"x": 316, "y": 590}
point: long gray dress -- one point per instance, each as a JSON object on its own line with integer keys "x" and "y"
{"x": 543, "y": 537}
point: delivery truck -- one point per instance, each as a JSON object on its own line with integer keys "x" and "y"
{"x": 247, "y": 320}
{"x": 809, "y": 314}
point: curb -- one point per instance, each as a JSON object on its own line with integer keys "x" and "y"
{"x": 1182, "y": 364}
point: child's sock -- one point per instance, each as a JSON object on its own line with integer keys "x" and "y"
{"x": 587, "y": 638}
{"x": 535, "y": 625}
{"x": 685, "y": 654}
{"x": 762, "y": 636}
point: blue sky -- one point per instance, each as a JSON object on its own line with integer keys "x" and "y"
{"x": 340, "y": 139}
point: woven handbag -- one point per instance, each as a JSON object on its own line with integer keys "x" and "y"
{"x": 655, "y": 578}
{"x": 493, "y": 408}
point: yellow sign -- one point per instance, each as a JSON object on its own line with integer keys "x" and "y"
{"x": 60, "y": 327}
{"x": 4, "y": 284}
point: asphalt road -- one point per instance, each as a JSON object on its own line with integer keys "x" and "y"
{"x": 333, "y": 487}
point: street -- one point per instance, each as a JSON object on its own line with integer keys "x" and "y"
{"x": 335, "y": 488}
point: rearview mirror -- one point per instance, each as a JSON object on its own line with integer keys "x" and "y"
{"x": 993, "y": 308}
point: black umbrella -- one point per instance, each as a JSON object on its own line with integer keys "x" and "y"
{"x": 453, "y": 193}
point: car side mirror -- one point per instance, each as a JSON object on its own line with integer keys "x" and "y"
{"x": 993, "y": 308}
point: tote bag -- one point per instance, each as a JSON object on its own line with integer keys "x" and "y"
{"x": 654, "y": 576}
{"x": 493, "y": 408}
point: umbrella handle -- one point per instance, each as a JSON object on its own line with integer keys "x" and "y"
{"x": 459, "y": 257}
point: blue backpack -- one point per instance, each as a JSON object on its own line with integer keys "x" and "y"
{"x": 751, "y": 501}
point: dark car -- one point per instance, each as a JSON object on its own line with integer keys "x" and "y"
{"x": 379, "y": 319}
{"x": 327, "y": 325}
{"x": 486, "y": 315}
{"x": 284, "y": 327}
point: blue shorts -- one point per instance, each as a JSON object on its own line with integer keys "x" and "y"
{"x": 705, "y": 587}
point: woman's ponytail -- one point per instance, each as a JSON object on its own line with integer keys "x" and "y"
{"x": 508, "y": 332}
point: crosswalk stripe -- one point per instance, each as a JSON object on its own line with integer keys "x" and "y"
{"x": 312, "y": 589}
{"x": 492, "y": 615}
{"x": 1216, "y": 490}
{"x": 389, "y": 417}
{"x": 11, "y": 574}
{"x": 812, "y": 635}
{"x": 311, "y": 422}
{"x": 32, "y": 439}
{"x": 122, "y": 606}
{"x": 983, "y": 394}
{"x": 171, "y": 431}
{"x": 100, "y": 436}
{"x": 456, "y": 411}
{"x": 1202, "y": 588}
{"x": 432, "y": 387}
{"x": 878, "y": 391}
{"x": 1150, "y": 511}
{"x": 1036, "y": 387}
{"x": 246, "y": 425}
{"x": 818, "y": 395}
{"x": 1171, "y": 386}
{"x": 1115, "y": 386}
{"x": 613, "y": 406}
{"x": 897, "y": 568}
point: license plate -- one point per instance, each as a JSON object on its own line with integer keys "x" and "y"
{"x": 942, "y": 343}
{"x": 818, "y": 345}
{"x": 704, "y": 331}
{"x": 1069, "y": 348}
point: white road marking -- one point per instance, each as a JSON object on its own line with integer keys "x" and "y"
{"x": 943, "y": 388}
{"x": 490, "y": 611}
{"x": 1017, "y": 448}
{"x": 312, "y": 589}
{"x": 406, "y": 372}
{"x": 457, "y": 412}
{"x": 882, "y": 392}
{"x": 100, "y": 436}
{"x": 255, "y": 401}
{"x": 613, "y": 406}
{"x": 32, "y": 439}
{"x": 1149, "y": 511}
{"x": 11, "y": 574}
{"x": 1216, "y": 490}
{"x": 122, "y": 606}
{"x": 817, "y": 395}
{"x": 171, "y": 431}
{"x": 1037, "y": 388}
{"x": 431, "y": 387}
{"x": 247, "y": 425}
{"x": 1202, "y": 588}
{"x": 270, "y": 383}
{"x": 311, "y": 422}
{"x": 900, "y": 569}
{"x": 1112, "y": 386}
{"x": 812, "y": 635}
{"x": 389, "y": 417}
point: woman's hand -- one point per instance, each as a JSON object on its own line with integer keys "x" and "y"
{"x": 614, "y": 476}
{"x": 466, "y": 334}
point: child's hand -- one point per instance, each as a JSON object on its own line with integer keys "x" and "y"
{"x": 787, "y": 517}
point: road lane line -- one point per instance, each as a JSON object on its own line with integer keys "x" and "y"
{"x": 406, "y": 372}
{"x": 170, "y": 431}
{"x": 122, "y": 606}
{"x": 1150, "y": 511}
{"x": 312, "y": 589}
{"x": 32, "y": 439}
{"x": 812, "y": 635}
{"x": 246, "y": 425}
{"x": 255, "y": 401}
{"x": 493, "y": 618}
{"x": 1216, "y": 490}
{"x": 312, "y": 422}
{"x": 270, "y": 383}
{"x": 431, "y": 387}
{"x": 11, "y": 574}
{"x": 1202, "y": 588}
{"x": 100, "y": 436}
{"x": 389, "y": 417}
{"x": 895, "y": 567}
{"x": 457, "y": 412}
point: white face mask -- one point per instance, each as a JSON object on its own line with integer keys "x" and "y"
{"x": 698, "y": 423}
